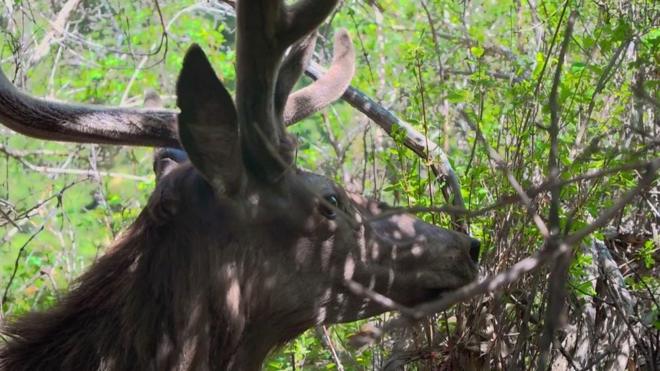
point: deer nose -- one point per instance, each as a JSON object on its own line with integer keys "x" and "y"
{"x": 475, "y": 246}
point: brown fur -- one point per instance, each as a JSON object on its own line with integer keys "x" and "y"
{"x": 136, "y": 308}
{"x": 159, "y": 299}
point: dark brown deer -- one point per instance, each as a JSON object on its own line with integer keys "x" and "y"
{"x": 237, "y": 250}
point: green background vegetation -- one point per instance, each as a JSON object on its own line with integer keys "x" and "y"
{"x": 425, "y": 61}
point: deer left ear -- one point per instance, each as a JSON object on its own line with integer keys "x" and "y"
{"x": 207, "y": 123}
{"x": 166, "y": 160}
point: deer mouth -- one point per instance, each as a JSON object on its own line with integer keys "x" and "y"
{"x": 435, "y": 293}
{"x": 430, "y": 284}
{"x": 432, "y": 294}
{"x": 445, "y": 280}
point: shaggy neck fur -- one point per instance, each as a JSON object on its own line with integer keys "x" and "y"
{"x": 160, "y": 299}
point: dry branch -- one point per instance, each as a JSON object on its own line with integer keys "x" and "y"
{"x": 57, "y": 29}
{"x": 411, "y": 138}
{"x": 55, "y": 170}
{"x": 532, "y": 263}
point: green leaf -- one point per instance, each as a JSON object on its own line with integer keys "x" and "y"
{"x": 578, "y": 67}
{"x": 477, "y": 51}
{"x": 459, "y": 96}
{"x": 35, "y": 260}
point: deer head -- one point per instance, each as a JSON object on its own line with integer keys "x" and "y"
{"x": 237, "y": 250}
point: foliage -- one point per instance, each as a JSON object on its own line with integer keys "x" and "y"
{"x": 428, "y": 60}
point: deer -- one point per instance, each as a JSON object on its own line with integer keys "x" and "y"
{"x": 237, "y": 250}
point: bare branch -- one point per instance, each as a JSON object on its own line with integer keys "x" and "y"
{"x": 501, "y": 164}
{"x": 559, "y": 273}
{"x": 381, "y": 299}
{"x": 56, "y": 170}
{"x": 397, "y": 128}
{"x": 532, "y": 263}
{"x": 57, "y": 29}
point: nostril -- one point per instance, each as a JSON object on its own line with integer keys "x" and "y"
{"x": 475, "y": 246}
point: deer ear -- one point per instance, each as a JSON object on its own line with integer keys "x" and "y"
{"x": 207, "y": 123}
{"x": 166, "y": 160}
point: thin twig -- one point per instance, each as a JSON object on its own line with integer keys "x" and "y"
{"x": 559, "y": 273}
{"x": 52, "y": 170}
{"x": 411, "y": 138}
{"x": 16, "y": 264}
{"x": 510, "y": 199}
{"x": 500, "y": 163}
{"x": 359, "y": 290}
{"x": 524, "y": 266}
{"x": 57, "y": 29}
{"x": 325, "y": 335}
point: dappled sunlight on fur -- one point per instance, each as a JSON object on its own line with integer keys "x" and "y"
{"x": 238, "y": 251}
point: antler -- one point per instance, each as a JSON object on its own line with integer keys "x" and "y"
{"x": 329, "y": 88}
{"x": 265, "y": 29}
{"x": 52, "y": 120}
{"x": 292, "y": 68}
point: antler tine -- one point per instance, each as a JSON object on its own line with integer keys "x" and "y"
{"x": 292, "y": 68}
{"x": 303, "y": 17}
{"x": 51, "y": 120}
{"x": 327, "y": 89}
{"x": 265, "y": 29}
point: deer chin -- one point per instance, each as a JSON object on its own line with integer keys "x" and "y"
{"x": 430, "y": 285}
{"x": 435, "y": 294}
{"x": 404, "y": 287}
{"x": 436, "y": 285}
{"x": 357, "y": 307}
{"x": 448, "y": 278}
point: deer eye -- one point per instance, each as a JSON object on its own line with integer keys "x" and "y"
{"x": 326, "y": 209}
